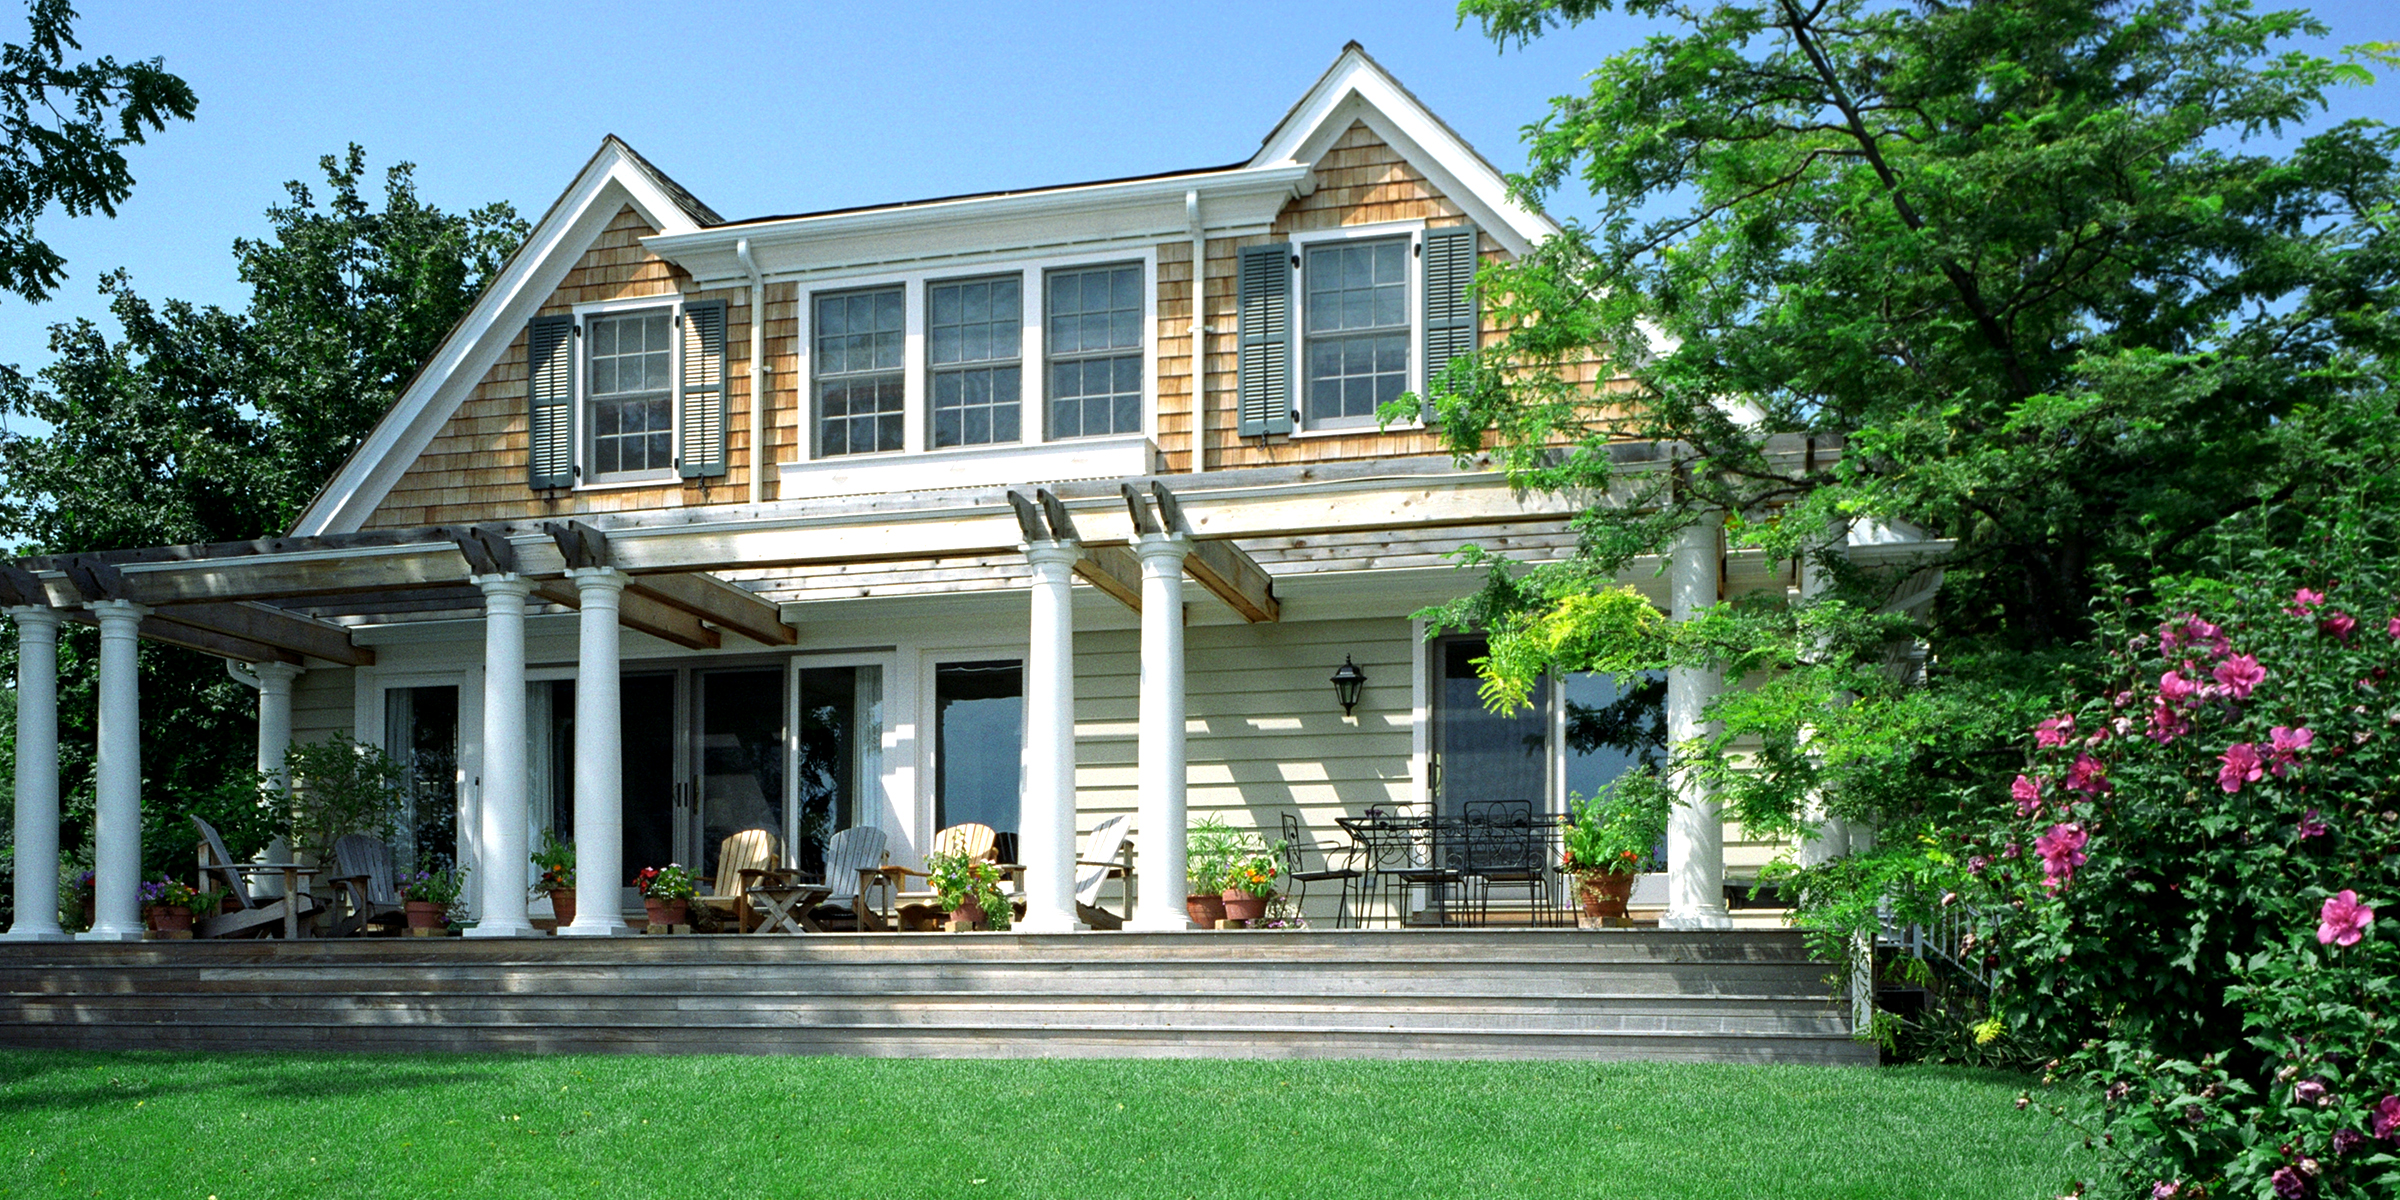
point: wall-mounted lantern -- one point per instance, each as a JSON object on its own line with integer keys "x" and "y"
{"x": 1347, "y": 680}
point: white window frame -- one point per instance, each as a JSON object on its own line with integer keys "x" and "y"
{"x": 1146, "y": 350}
{"x": 1033, "y": 356}
{"x": 584, "y": 475}
{"x": 1025, "y": 376}
{"x": 1414, "y": 232}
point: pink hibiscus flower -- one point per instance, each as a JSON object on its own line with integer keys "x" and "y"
{"x": 2340, "y": 625}
{"x": 2085, "y": 776}
{"x": 2175, "y": 689}
{"x": 2286, "y": 746}
{"x": 2311, "y": 826}
{"x": 2393, "y": 627}
{"x": 2239, "y": 674}
{"x": 2166, "y": 724}
{"x": 2055, "y": 732}
{"x": 2385, "y": 1117}
{"x": 2241, "y": 765}
{"x": 2305, "y": 601}
{"x": 2028, "y": 795}
{"x": 2061, "y": 850}
{"x": 2343, "y": 920}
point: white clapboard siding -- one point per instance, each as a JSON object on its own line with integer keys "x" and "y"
{"x": 323, "y": 705}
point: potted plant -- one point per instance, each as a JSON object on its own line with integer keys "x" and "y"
{"x": 426, "y": 897}
{"x": 1250, "y": 881}
{"x": 667, "y": 893}
{"x": 1210, "y": 848}
{"x": 969, "y": 890}
{"x": 1610, "y": 839}
{"x": 556, "y": 860}
{"x": 170, "y": 904}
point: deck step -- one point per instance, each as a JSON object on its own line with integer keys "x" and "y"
{"x": 1745, "y": 995}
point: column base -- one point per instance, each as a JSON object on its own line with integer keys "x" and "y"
{"x": 582, "y": 928}
{"x": 495, "y": 929}
{"x": 106, "y": 933}
{"x": 52, "y": 934}
{"x": 1178, "y": 924}
{"x": 1703, "y": 919}
{"x": 1053, "y": 924}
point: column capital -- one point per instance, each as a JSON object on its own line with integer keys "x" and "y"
{"x": 1053, "y": 554}
{"x": 1172, "y": 546}
{"x": 276, "y": 672}
{"x": 36, "y": 616}
{"x": 118, "y": 610}
{"x": 505, "y": 584}
{"x": 598, "y": 579}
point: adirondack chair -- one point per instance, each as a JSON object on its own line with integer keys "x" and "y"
{"x": 251, "y": 917}
{"x": 364, "y": 870}
{"x": 746, "y": 860}
{"x": 921, "y": 909}
{"x": 853, "y": 867}
{"x": 1107, "y": 854}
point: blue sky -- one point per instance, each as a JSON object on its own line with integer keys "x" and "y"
{"x": 763, "y": 109}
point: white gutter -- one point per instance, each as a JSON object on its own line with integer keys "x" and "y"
{"x": 1191, "y": 216}
{"x": 758, "y": 373}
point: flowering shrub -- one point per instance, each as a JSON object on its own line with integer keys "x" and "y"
{"x": 668, "y": 883}
{"x": 2187, "y": 875}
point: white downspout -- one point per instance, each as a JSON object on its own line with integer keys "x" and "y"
{"x": 758, "y": 372}
{"x": 1191, "y": 216}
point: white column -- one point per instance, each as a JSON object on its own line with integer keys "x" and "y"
{"x": 37, "y": 777}
{"x": 1161, "y": 776}
{"x": 1046, "y": 824}
{"x": 117, "y": 803}
{"x": 1696, "y": 828}
{"x": 501, "y": 912}
{"x": 599, "y": 758}
{"x": 274, "y": 713}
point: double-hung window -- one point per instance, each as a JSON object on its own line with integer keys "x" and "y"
{"x": 1093, "y": 340}
{"x": 860, "y": 400}
{"x": 629, "y": 395}
{"x": 1357, "y": 316}
{"x": 973, "y": 331}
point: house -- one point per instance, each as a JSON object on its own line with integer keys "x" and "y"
{"x": 1026, "y": 508}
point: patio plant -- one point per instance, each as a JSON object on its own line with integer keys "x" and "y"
{"x": 666, "y": 892}
{"x": 1210, "y": 849}
{"x": 555, "y": 858}
{"x": 427, "y": 897}
{"x": 1250, "y": 878}
{"x": 1613, "y": 836}
{"x": 338, "y": 787}
{"x": 171, "y": 904}
{"x": 969, "y": 890}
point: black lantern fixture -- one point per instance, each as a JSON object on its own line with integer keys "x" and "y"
{"x": 1347, "y": 680}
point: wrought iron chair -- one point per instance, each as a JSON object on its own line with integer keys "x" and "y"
{"x": 1501, "y": 847}
{"x": 1295, "y": 842}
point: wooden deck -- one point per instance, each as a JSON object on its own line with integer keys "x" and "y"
{"x": 1742, "y": 995}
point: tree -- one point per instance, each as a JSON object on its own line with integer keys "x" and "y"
{"x": 2032, "y": 276}
{"x": 194, "y": 424}
{"x": 66, "y": 129}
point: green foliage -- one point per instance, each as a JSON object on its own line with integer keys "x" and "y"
{"x": 66, "y": 128}
{"x": 556, "y": 858}
{"x": 1255, "y": 869}
{"x": 2156, "y": 888}
{"x": 958, "y": 878}
{"x": 433, "y": 887}
{"x": 1211, "y": 848}
{"x": 670, "y": 882}
{"x": 1616, "y": 830}
{"x": 338, "y": 787}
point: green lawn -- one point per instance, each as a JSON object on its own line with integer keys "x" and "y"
{"x": 237, "y": 1127}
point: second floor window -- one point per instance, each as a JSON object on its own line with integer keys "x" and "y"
{"x": 631, "y": 415}
{"x": 858, "y": 361}
{"x": 1094, "y": 343}
{"x": 971, "y": 348}
{"x": 1357, "y": 330}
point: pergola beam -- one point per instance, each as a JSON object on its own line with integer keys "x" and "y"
{"x": 1223, "y": 568}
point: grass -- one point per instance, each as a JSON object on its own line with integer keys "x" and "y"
{"x": 238, "y": 1127}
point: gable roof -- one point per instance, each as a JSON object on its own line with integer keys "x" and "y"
{"x": 615, "y": 177}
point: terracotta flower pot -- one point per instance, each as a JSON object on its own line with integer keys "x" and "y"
{"x": 562, "y": 902}
{"x": 1242, "y": 906}
{"x": 168, "y": 918}
{"x": 969, "y": 915}
{"x": 1205, "y": 911}
{"x": 1604, "y": 894}
{"x": 667, "y": 912}
{"x": 424, "y": 914}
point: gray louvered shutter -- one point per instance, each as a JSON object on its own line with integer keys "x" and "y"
{"x": 703, "y": 416}
{"x": 1452, "y": 319}
{"x": 1264, "y": 301}
{"x": 550, "y": 402}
